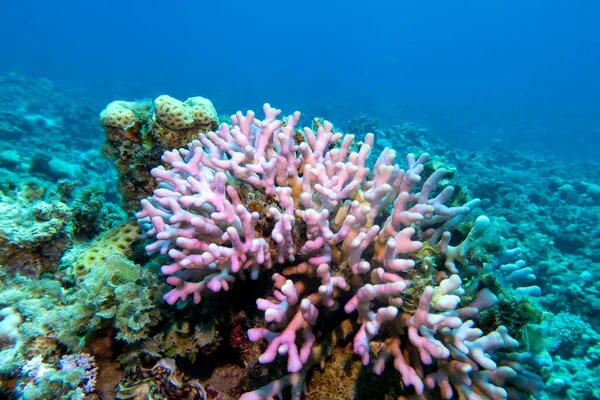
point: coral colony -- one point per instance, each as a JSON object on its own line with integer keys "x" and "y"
{"x": 385, "y": 246}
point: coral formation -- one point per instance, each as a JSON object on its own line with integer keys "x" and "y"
{"x": 33, "y": 233}
{"x": 37, "y": 225}
{"x": 177, "y": 115}
{"x": 577, "y": 359}
{"x": 121, "y": 114}
{"x": 136, "y": 134}
{"x": 73, "y": 377}
{"x": 115, "y": 241}
{"x": 70, "y": 285}
{"x": 116, "y": 299}
{"x": 9, "y": 327}
{"x": 39, "y": 222}
{"x": 260, "y": 196}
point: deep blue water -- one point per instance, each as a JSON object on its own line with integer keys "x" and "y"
{"x": 525, "y": 72}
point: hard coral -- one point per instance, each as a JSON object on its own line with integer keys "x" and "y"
{"x": 341, "y": 241}
{"x": 120, "y": 114}
{"x": 136, "y": 134}
{"x": 33, "y": 234}
{"x": 115, "y": 241}
{"x": 195, "y": 111}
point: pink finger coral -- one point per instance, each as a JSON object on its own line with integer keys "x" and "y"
{"x": 261, "y": 196}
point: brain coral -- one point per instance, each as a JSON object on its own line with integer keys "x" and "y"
{"x": 118, "y": 114}
{"x": 183, "y": 115}
{"x": 116, "y": 240}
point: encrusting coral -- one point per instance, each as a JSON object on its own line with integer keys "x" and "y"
{"x": 115, "y": 241}
{"x": 385, "y": 247}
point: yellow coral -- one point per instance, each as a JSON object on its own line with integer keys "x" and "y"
{"x": 172, "y": 112}
{"x": 118, "y": 114}
{"x": 178, "y": 115}
{"x": 203, "y": 111}
{"x": 114, "y": 241}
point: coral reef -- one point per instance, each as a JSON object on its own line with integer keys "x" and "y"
{"x": 116, "y": 300}
{"x": 73, "y": 377}
{"x": 136, "y": 134}
{"x": 261, "y": 196}
{"x": 33, "y": 234}
{"x": 75, "y": 283}
{"x": 546, "y": 206}
{"x": 39, "y": 221}
{"x": 115, "y": 241}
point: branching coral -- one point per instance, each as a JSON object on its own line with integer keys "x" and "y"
{"x": 338, "y": 237}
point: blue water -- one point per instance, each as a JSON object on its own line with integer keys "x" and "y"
{"x": 524, "y": 72}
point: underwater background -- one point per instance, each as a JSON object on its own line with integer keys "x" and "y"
{"x": 505, "y": 96}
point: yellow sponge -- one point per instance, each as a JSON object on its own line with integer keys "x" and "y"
{"x": 178, "y": 115}
{"x": 118, "y": 114}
